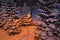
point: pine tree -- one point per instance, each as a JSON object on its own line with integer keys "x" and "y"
{"x": 47, "y": 5}
{"x": 51, "y": 31}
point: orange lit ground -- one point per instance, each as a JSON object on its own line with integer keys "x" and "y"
{"x": 27, "y": 33}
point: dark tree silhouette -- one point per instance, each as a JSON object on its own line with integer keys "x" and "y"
{"x": 47, "y": 5}
{"x": 58, "y": 1}
{"x": 28, "y": 2}
{"x": 0, "y": 3}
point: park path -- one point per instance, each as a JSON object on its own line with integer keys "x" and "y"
{"x": 26, "y": 33}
